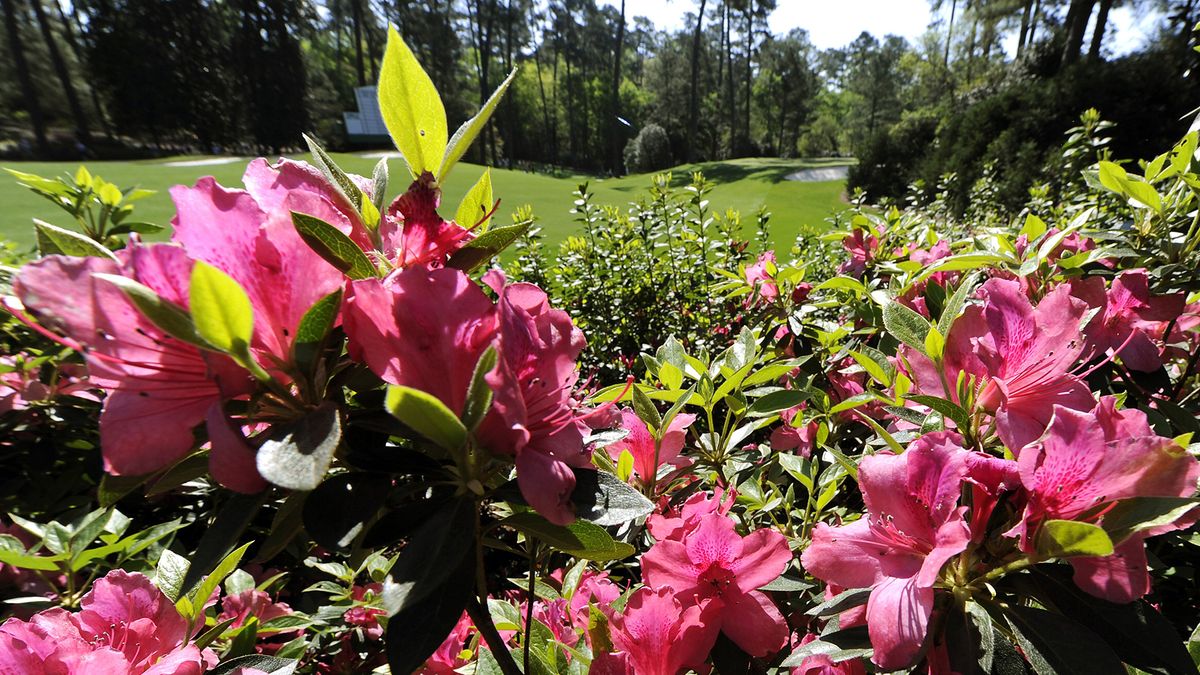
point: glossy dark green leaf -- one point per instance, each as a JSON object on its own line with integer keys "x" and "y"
{"x": 947, "y": 409}
{"x": 297, "y": 456}
{"x": 222, "y": 536}
{"x": 55, "y": 240}
{"x": 338, "y": 510}
{"x": 580, "y": 539}
{"x": 1135, "y": 630}
{"x": 1056, "y": 645}
{"x": 479, "y": 394}
{"x": 485, "y": 247}
{"x": 334, "y": 246}
{"x": 338, "y": 179}
{"x": 603, "y": 499}
{"x": 906, "y": 325}
{"x": 271, "y": 665}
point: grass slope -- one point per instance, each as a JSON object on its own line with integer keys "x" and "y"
{"x": 743, "y": 185}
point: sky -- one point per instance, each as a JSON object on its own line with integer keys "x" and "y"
{"x": 837, "y": 23}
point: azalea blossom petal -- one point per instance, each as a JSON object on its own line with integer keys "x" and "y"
{"x": 754, "y": 623}
{"x": 898, "y": 620}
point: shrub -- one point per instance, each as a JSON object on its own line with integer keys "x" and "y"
{"x": 649, "y": 151}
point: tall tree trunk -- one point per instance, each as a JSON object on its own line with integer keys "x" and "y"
{"x": 1098, "y": 33}
{"x": 694, "y": 91}
{"x": 1074, "y": 27}
{"x": 554, "y": 105}
{"x": 1021, "y": 39}
{"x": 69, "y": 33}
{"x": 356, "y": 19}
{"x": 749, "y": 72}
{"x": 60, "y": 69}
{"x": 537, "y": 62}
{"x": 373, "y": 54}
{"x": 28, "y": 91}
{"x": 950, "y": 33}
{"x": 731, "y": 108}
{"x": 614, "y": 125}
{"x": 1033, "y": 21}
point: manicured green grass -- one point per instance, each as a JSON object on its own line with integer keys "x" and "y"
{"x": 743, "y": 185}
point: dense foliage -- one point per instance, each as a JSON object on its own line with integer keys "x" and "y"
{"x": 314, "y": 433}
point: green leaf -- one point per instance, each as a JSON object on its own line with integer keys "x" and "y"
{"x": 1137, "y": 190}
{"x": 1127, "y": 517}
{"x": 837, "y": 646}
{"x": 172, "y": 569}
{"x": 1068, "y": 538}
{"x": 947, "y": 409}
{"x": 603, "y": 499}
{"x": 954, "y": 305}
{"x": 1056, "y": 645}
{"x": 474, "y": 211}
{"x": 905, "y": 325}
{"x": 342, "y": 184}
{"x": 297, "y": 455}
{"x": 435, "y": 551}
{"x": 53, "y": 239}
{"x": 338, "y": 510}
{"x": 479, "y": 394}
{"x": 271, "y": 665}
{"x": 881, "y": 372}
{"x": 1033, "y": 228}
{"x": 221, "y": 310}
{"x": 201, "y": 592}
{"x": 427, "y": 415}
{"x": 167, "y": 316}
{"x": 1136, "y": 631}
{"x": 646, "y": 411}
{"x": 379, "y": 184}
{"x": 485, "y": 247}
{"x": 848, "y": 599}
{"x": 319, "y": 318}
{"x": 465, "y": 135}
{"x": 412, "y": 109}
{"x": 31, "y": 562}
{"x": 776, "y": 401}
{"x": 580, "y": 539}
{"x": 334, "y": 246}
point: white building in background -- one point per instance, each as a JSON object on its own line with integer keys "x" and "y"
{"x": 365, "y": 126}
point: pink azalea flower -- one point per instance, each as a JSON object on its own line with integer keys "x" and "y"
{"x": 421, "y": 328}
{"x": 674, "y": 524}
{"x": 657, "y": 635}
{"x": 249, "y": 235}
{"x": 1021, "y": 358}
{"x": 640, "y": 443}
{"x": 1086, "y": 460}
{"x": 763, "y": 281}
{"x": 533, "y": 415}
{"x": 787, "y": 436}
{"x": 252, "y": 603}
{"x": 448, "y": 657}
{"x": 412, "y": 231}
{"x": 365, "y": 613}
{"x": 712, "y": 561}
{"x": 126, "y": 626}
{"x": 861, "y": 244}
{"x": 913, "y": 526}
{"x": 158, "y": 388}
{"x": 1128, "y": 318}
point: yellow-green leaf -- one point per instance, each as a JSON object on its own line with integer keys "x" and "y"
{"x": 411, "y": 108}
{"x": 466, "y": 133}
{"x": 476, "y": 206}
{"x": 221, "y": 309}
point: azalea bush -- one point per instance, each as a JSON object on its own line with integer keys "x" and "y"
{"x": 322, "y": 430}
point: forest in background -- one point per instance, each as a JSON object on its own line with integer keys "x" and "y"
{"x": 599, "y": 89}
